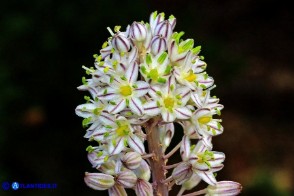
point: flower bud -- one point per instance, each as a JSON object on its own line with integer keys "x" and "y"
{"x": 164, "y": 29}
{"x": 155, "y": 19}
{"x": 182, "y": 173}
{"x": 131, "y": 160}
{"x": 143, "y": 188}
{"x": 143, "y": 171}
{"x": 224, "y": 188}
{"x": 127, "y": 178}
{"x": 117, "y": 190}
{"x": 158, "y": 44}
{"x": 121, "y": 43}
{"x": 138, "y": 31}
{"x": 99, "y": 181}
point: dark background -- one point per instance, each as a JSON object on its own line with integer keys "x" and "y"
{"x": 247, "y": 44}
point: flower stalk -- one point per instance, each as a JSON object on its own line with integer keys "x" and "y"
{"x": 146, "y": 79}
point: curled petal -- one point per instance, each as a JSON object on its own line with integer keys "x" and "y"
{"x": 96, "y": 159}
{"x": 99, "y": 181}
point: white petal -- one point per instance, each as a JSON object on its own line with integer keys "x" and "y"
{"x": 136, "y": 144}
{"x": 142, "y": 89}
{"x": 132, "y": 72}
{"x": 151, "y": 108}
{"x": 85, "y": 110}
{"x": 185, "y": 94}
{"x": 183, "y": 113}
{"x": 168, "y": 116}
{"x": 170, "y": 82}
{"x": 196, "y": 98}
{"x": 121, "y": 104}
{"x": 218, "y": 158}
{"x": 153, "y": 90}
{"x": 136, "y": 106}
{"x": 106, "y": 118}
{"x": 117, "y": 148}
{"x": 208, "y": 177}
{"x": 107, "y": 94}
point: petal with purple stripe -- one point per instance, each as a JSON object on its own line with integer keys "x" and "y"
{"x": 136, "y": 144}
{"x": 136, "y": 106}
{"x": 113, "y": 109}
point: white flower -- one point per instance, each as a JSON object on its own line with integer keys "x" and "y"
{"x": 169, "y": 100}
{"x": 205, "y": 123}
{"x": 186, "y": 75}
{"x": 120, "y": 134}
{"x": 125, "y": 91}
{"x": 156, "y": 68}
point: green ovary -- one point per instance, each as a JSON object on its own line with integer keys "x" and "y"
{"x": 204, "y": 119}
{"x": 153, "y": 74}
{"x": 191, "y": 76}
{"x": 122, "y": 130}
{"x": 169, "y": 102}
{"x": 126, "y": 90}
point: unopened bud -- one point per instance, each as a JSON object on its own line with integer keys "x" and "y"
{"x": 164, "y": 29}
{"x": 143, "y": 188}
{"x": 224, "y": 188}
{"x": 131, "y": 160}
{"x": 138, "y": 31}
{"x": 121, "y": 43}
{"x": 158, "y": 44}
{"x": 99, "y": 181}
{"x": 127, "y": 178}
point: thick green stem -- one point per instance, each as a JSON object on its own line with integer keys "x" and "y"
{"x": 158, "y": 162}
